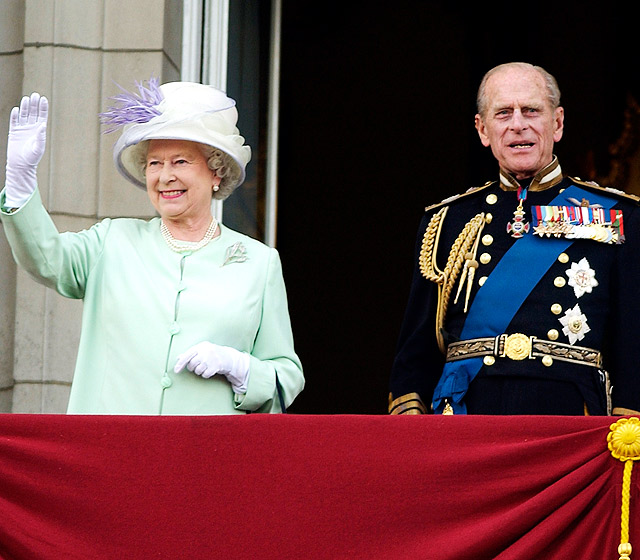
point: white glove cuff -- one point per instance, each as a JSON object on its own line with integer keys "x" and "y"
{"x": 19, "y": 186}
{"x": 239, "y": 374}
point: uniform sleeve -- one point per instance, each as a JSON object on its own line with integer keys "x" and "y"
{"x": 273, "y": 349}
{"x": 59, "y": 261}
{"x": 418, "y": 363}
{"x": 623, "y": 356}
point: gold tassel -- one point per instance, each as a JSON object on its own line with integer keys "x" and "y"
{"x": 624, "y": 444}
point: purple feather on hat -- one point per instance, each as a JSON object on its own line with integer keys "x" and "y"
{"x": 133, "y": 108}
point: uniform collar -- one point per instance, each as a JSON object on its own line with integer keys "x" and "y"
{"x": 546, "y": 178}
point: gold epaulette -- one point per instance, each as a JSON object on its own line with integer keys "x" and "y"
{"x": 608, "y": 190}
{"x": 459, "y": 196}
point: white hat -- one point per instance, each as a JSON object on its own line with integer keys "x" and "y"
{"x": 176, "y": 111}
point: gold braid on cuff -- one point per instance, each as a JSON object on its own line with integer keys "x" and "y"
{"x": 411, "y": 403}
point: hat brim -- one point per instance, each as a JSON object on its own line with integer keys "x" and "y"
{"x": 191, "y": 131}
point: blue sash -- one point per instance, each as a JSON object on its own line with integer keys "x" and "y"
{"x": 485, "y": 318}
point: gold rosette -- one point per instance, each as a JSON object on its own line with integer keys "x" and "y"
{"x": 624, "y": 439}
{"x": 624, "y": 443}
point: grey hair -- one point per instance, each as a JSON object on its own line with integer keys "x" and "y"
{"x": 222, "y": 163}
{"x": 553, "y": 91}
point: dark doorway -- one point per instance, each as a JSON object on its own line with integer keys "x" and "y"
{"x": 377, "y": 108}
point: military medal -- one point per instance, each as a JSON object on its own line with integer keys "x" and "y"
{"x": 579, "y": 222}
{"x": 519, "y": 226}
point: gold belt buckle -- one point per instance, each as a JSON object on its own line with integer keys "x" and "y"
{"x": 516, "y": 346}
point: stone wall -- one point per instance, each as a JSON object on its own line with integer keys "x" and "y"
{"x": 74, "y": 52}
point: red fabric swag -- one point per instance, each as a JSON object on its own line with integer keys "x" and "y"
{"x": 310, "y": 487}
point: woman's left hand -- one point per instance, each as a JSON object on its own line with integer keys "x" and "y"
{"x": 208, "y": 359}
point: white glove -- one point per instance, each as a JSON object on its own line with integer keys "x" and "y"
{"x": 25, "y": 147}
{"x": 207, "y": 359}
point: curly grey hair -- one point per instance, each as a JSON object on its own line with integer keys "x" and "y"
{"x": 553, "y": 91}
{"x": 222, "y": 163}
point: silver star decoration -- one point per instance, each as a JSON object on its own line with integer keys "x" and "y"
{"x": 582, "y": 278}
{"x": 574, "y": 324}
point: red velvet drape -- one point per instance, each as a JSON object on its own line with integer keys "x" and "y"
{"x": 310, "y": 487}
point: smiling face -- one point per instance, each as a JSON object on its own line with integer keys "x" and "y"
{"x": 519, "y": 123}
{"x": 179, "y": 182}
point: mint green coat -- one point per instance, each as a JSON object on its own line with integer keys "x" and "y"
{"x": 145, "y": 304}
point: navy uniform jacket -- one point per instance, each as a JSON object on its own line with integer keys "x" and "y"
{"x": 609, "y": 305}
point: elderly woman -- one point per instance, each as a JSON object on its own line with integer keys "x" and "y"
{"x": 181, "y": 314}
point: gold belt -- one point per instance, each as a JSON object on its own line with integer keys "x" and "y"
{"x": 521, "y": 347}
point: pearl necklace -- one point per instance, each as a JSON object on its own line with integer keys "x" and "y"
{"x": 181, "y": 246}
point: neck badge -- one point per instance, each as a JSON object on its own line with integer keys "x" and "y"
{"x": 518, "y": 226}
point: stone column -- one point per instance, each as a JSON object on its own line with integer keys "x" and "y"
{"x": 11, "y": 62}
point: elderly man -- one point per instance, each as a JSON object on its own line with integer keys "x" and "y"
{"x": 524, "y": 296}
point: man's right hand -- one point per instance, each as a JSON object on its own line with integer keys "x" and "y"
{"x": 25, "y": 147}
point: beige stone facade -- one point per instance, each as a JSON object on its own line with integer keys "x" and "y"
{"x": 74, "y": 52}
